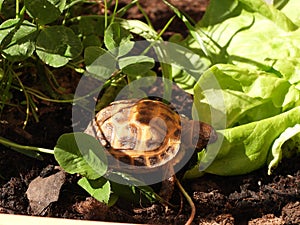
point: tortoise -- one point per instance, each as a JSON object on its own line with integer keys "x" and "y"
{"x": 147, "y": 133}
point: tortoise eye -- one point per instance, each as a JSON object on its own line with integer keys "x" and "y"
{"x": 207, "y": 132}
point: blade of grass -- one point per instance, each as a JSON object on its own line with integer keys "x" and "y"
{"x": 165, "y": 27}
{"x": 114, "y": 12}
{"x": 158, "y": 36}
{"x": 34, "y": 109}
{"x": 145, "y": 15}
{"x": 190, "y": 27}
{"x": 16, "y": 146}
{"x": 1, "y": 3}
{"x": 17, "y": 8}
{"x": 22, "y": 89}
{"x": 124, "y": 9}
{"x": 74, "y": 2}
{"x": 6, "y": 83}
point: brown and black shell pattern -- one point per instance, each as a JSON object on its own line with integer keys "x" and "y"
{"x": 141, "y": 132}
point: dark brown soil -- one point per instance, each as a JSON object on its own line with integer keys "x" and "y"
{"x": 255, "y": 198}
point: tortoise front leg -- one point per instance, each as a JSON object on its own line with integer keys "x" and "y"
{"x": 167, "y": 188}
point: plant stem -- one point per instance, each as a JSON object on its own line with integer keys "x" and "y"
{"x": 115, "y": 11}
{"x": 144, "y": 14}
{"x": 105, "y": 14}
{"x": 124, "y": 9}
{"x": 21, "y": 14}
{"x": 190, "y": 201}
{"x": 24, "y": 147}
{"x": 26, "y": 97}
{"x": 17, "y": 8}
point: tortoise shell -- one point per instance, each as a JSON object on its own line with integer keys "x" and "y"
{"x": 142, "y": 132}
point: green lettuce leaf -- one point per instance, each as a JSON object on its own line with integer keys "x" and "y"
{"x": 251, "y": 92}
{"x": 287, "y": 144}
{"x": 247, "y": 95}
{"x": 291, "y": 10}
{"x": 247, "y": 33}
{"x": 217, "y": 13}
{"x": 245, "y": 148}
{"x": 270, "y": 12}
{"x": 249, "y": 109}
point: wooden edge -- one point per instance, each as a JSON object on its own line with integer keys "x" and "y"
{"x": 9, "y": 219}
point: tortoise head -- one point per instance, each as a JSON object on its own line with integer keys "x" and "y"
{"x": 197, "y": 134}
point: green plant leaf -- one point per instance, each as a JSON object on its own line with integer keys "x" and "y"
{"x": 1, "y": 3}
{"x": 60, "y": 4}
{"x": 270, "y": 12}
{"x": 251, "y": 92}
{"x": 247, "y": 94}
{"x": 185, "y": 66}
{"x": 99, "y": 63}
{"x": 17, "y": 39}
{"x": 286, "y": 145}
{"x": 43, "y": 11}
{"x": 273, "y": 34}
{"x": 183, "y": 80}
{"x": 135, "y": 83}
{"x": 254, "y": 115}
{"x": 92, "y": 53}
{"x": 244, "y": 148}
{"x": 136, "y": 65}
{"x": 108, "y": 192}
{"x": 133, "y": 190}
{"x": 100, "y": 189}
{"x": 56, "y": 45}
{"x": 81, "y": 153}
{"x": 190, "y": 27}
{"x": 91, "y": 25}
{"x": 290, "y": 9}
{"x": 134, "y": 86}
{"x": 140, "y": 28}
{"x": 91, "y": 40}
{"x": 216, "y": 13}
{"x": 117, "y": 39}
